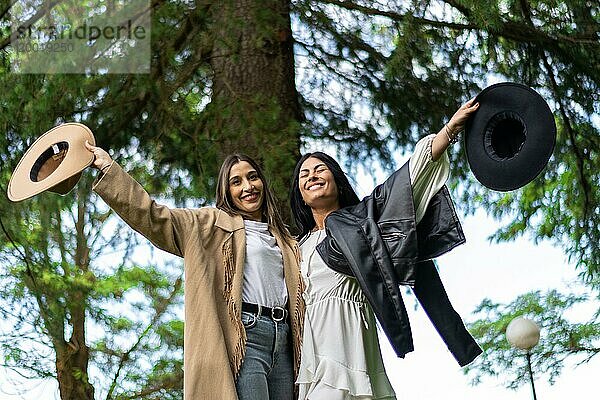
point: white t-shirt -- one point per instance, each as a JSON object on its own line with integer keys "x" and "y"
{"x": 263, "y": 267}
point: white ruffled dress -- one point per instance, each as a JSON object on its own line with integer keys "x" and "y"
{"x": 341, "y": 359}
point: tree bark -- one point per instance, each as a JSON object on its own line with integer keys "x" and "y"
{"x": 72, "y": 357}
{"x": 254, "y": 104}
{"x": 72, "y": 360}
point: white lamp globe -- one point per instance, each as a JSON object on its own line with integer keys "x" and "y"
{"x": 523, "y": 333}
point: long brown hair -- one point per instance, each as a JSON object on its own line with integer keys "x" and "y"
{"x": 270, "y": 211}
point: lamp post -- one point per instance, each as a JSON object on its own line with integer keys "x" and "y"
{"x": 524, "y": 334}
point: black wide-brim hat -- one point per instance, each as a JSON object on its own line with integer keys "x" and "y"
{"x": 511, "y": 136}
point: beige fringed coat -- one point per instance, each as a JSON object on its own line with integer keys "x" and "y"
{"x": 212, "y": 244}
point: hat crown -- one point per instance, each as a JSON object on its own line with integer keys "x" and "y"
{"x": 48, "y": 161}
{"x": 505, "y": 135}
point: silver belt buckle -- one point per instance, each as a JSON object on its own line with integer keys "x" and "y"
{"x": 283, "y": 314}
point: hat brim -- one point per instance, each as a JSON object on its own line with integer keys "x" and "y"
{"x": 511, "y": 136}
{"x": 66, "y": 174}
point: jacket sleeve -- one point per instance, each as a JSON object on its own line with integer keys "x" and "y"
{"x": 165, "y": 227}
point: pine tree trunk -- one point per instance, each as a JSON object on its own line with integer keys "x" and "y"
{"x": 72, "y": 360}
{"x": 254, "y": 102}
{"x": 72, "y": 357}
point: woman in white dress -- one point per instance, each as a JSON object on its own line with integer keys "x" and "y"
{"x": 340, "y": 356}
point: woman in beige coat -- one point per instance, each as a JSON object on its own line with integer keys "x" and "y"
{"x": 243, "y": 291}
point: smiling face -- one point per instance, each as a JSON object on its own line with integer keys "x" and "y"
{"x": 246, "y": 189}
{"x": 317, "y": 185}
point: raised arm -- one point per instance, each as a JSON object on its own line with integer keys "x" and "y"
{"x": 429, "y": 164}
{"x": 163, "y": 226}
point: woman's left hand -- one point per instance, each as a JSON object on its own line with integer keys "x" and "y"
{"x": 460, "y": 117}
{"x": 448, "y": 134}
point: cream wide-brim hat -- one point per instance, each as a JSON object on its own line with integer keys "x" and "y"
{"x": 54, "y": 162}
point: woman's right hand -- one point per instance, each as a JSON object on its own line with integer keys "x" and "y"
{"x": 101, "y": 157}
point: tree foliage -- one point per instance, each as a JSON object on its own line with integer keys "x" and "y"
{"x": 270, "y": 78}
{"x": 407, "y": 65}
{"x": 562, "y": 337}
{"x": 70, "y": 297}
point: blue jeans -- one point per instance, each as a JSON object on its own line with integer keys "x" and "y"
{"x": 267, "y": 372}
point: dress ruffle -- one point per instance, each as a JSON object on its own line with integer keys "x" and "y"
{"x": 322, "y": 377}
{"x": 339, "y": 381}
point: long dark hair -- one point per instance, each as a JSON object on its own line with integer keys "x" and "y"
{"x": 302, "y": 213}
{"x": 269, "y": 208}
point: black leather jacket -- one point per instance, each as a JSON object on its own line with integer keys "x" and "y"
{"x": 379, "y": 243}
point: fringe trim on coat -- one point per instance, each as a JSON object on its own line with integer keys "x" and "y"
{"x": 298, "y": 323}
{"x": 235, "y": 358}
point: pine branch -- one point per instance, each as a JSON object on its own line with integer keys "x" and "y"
{"x": 160, "y": 310}
{"x": 42, "y": 12}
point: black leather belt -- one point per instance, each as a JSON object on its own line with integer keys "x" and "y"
{"x": 277, "y": 314}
